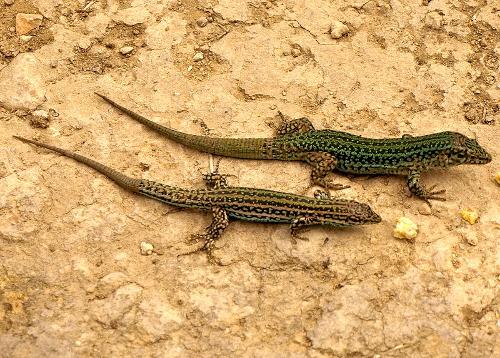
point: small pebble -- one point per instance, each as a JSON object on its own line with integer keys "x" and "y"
{"x": 84, "y": 43}
{"x": 405, "y": 229}
{"x": 202, "y": 21}
{"x": 27, "y": 22}
{"x": 125, "y": 50}
{"x": 53, "y": 113}
{"x": 296, "y": 52}
{"x": 338, "y": 29}
{"x": 146, "y": 248}
{"x": 39, "y": 119}
{"x": 190, "y": 68}
{"x": 40, "y": 113}
{"x": 472, "y": 239}
{"x": 25, "y": 38}
{"x": 434, "y": 20}
{"x": 497, "y": 177}
{"x": 198, "y": 56}
{"x": 470, "y": 215}
{"x": 424, "y": 209}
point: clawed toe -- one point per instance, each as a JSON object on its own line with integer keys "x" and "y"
{"x": 331, "y": 185}
{"x": 434, "y": 195}
{"x": 207, "y": 246}
{"x": 295, "y": 239}
{"x": 195, "y": 238}
{"x": 335, "y": 186}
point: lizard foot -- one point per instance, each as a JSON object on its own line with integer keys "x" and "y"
{"x": 296, "y": 231}
{"x": 328, "y": 184}
{"x": 208, "y": 246}
{"x": 431, "y": 194}
{"x": 196, "y": 238}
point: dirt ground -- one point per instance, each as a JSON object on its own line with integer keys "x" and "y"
{"x": 76, "y": 277}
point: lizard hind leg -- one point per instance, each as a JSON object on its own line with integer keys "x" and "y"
{"x": 220, "y": 222}
{"x": 323, "y": 163}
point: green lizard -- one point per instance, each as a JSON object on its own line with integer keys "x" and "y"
{"x": 328, "y": 150}
{"x": 240, "y": 203}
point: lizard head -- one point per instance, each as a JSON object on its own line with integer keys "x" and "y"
{"x": 362, "y": 213}
{"x": 466, "y": 150}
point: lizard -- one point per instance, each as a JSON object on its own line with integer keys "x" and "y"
{"x": 327, "y": 150}
{"x": 227, "y": 202}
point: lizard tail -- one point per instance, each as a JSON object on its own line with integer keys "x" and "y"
{"x": 121, "y": 179}
{"x": 249, "y": 148}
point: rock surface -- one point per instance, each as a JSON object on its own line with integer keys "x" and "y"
{"x": 22, "y": 83}
{"x": 89, "y": 269}
{"x": 26, "y": 23}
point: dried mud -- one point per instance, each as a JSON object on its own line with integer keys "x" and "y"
{"x": 75, "y": 275}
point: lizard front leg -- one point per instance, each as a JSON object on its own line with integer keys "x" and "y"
{"x": 299, "y": 224}
{"x": 421, "y": 191}
{"x": 296, "y": 126}
{"x": 322, "y": 195}
{"x": 323, "y": 163}
{"x": 215, "y": 180}
{"x": 219, "y": 223}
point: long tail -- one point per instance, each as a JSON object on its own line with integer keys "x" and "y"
{"x": 121, "y": 179}
{"x": 249, "y": 148}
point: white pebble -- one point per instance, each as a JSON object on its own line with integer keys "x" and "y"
{"x": 198, "y": 56}
{"x": 146, "y": 248}
{"x": 338, "y": 29}
{"x": 40, "y": 113}
{"x": 25, "y": 38}
{"x": 125, "y": 50}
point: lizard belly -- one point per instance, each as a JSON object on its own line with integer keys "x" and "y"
{"x": 365, "y": 167}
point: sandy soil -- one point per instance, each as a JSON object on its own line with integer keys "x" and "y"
{"x": 73, "y": 280}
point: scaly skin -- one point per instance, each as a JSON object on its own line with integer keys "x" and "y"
{"x": 328, "y": 150}
{"x": 248, "y": 204}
